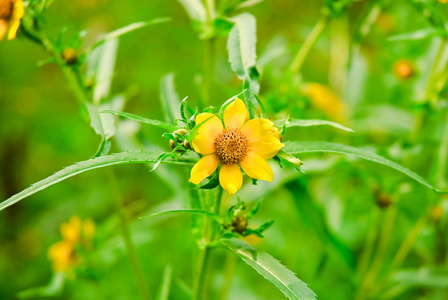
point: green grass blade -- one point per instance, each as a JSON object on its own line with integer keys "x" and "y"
{"x": 271, "y": 269}
{"x": 80, "y": 167}
{"x": 156, "y": 123}
{"x": 296, "y": 148}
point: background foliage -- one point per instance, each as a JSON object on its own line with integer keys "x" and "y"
{"x": 339, "y": 226}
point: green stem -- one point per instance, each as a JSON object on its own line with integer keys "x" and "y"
{"x": 209, "y": 54}
{"x": 201, "y": 280}
{"x": 129, "y": 244}
{"x": 209, "y": 234}
{"x": 309, "y": 43}
{"x": 380, "y": 254}
{"x": 443, "y": 157}
{"x": 229, "y": 267}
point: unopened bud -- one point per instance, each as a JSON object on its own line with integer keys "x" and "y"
{"x": 239, "y": 224}
{"x": 181, "y": 132}
{"x": 383, "y": 200}
{"x": 172, "y": 144}
{"x": 187, "y": 144}
{"x": 69, "y": 56}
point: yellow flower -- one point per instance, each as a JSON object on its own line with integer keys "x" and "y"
{"x": 11, "y": 11}
{"x": 71, "y": 231}
{"x": 240, "y": 142}
{"x": 63, "y": 256}
{"x": 74, "y": 232}
{"x": 326, "y": 100}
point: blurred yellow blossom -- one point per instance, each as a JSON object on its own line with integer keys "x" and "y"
{"x": 403, "y": 69}
{"x": 74, "y": 233}
{"x": 326, "y": 100}
{"x": 11, "y": 11}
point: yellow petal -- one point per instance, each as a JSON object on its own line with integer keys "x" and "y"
{"x": 212, "y": 126}
{"x": 17, "y": 14}
{"x": 203, "y": 168}
{"x": 257, "y": 129}
{"x": 266, "y": 148}
{"x": 235, "y": 114}
{"x": 256, "y": 167}
{"x": 203, "y": 144}
{"x": 204, "y": 141}
{"x": 230, "y": 178}
{"x": 3, "y": 29}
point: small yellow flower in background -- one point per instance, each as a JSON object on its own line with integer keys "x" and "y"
{"x": 74, "y": 233}
{"x": 326, "y": 100}
{"x": 63, "y": 256}
{"x": 239, "y": 143}
{"x": 403, "y": 69}
{"x": 443, "y": 1}
{"x": 11, "y": 11}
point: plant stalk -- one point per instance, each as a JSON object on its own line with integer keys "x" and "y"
{"x": 309, "y": 43}
{"x": 129, "y": 244}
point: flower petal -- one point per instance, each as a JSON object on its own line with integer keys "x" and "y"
{"x": 231, "y": 178}
{"x": 266, "y": 148}
{"x": 203, "y": 144}
{"x": 204, "y": 141}
{"x": 203, "y": 168}
{"x": 257, "y": 129}
{"x": 235, "y": 114}
{"x": 256, "y": 167}
{"x": 17, "y": 14}
{"x": 3, "y": 29}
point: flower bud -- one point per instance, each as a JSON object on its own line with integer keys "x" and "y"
{"x": 187, "y": 144}
{"x": 172, "y": 144}
{"x": 181, "y": 132}
{"x": 383, "y": 200}
{"x": 69, "y": 56}
{"x": 239, "y": 224}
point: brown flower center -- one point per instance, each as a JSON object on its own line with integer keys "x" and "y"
{"x": 6, "y": 8}
{"x": 231, "y": 146}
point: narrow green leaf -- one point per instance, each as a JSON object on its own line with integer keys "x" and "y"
{"x": 95, "y": 163}
{"x": 164, "y": 291}
{"x": 418, "y": 34}
{"x": 311, "y": 122}
{"x": 169, "y": 98}
{"x": 156, "y": 123}
{"x": 271, "y": 269}
{"x": 186, "y": 211}
{"x": 296, "y": 148}
{"x": 241, "y": 44}
{"x": 129, "y": 28}
{"x": 291, "y": 159}
{"x": 195, "y": 10}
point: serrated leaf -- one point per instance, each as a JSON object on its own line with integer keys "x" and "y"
{"x": 241, "y": 46}
{"x": 272, "y": 270}
{"x": 311, "y": 122}
{"x": 95, "y": 163}
{"x": 296, "y": 148}
{"x": 186, "y": 211}
{"x": 156, "y": 123}
{"x": 169, "y": 98}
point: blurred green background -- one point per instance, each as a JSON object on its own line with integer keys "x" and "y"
{"x": 323, "y": 219}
